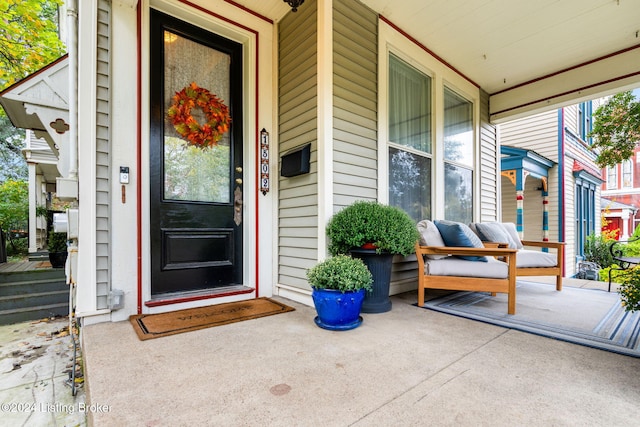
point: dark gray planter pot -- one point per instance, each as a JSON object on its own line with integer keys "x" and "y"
{"x": 377, "y": 300}
{"x": 58, "y": 259}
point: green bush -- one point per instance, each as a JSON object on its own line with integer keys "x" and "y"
{"x": 341, "y": 273}
{"x": 632, "y": 249}
{"x": 57, "y": 242}
{"x": 596, "y": 249}
{"x": 630, "y": 289}
{"x": 389, "y": 228}
{"x": 615, "y": 274}
{"x": 18, "y": 248}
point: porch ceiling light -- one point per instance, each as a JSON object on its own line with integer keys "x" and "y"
{"x": 294, "y": 4}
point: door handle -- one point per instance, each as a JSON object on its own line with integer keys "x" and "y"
{"x": 237, "y": 206}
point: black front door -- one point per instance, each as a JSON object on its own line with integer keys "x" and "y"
{"x": 195, "y": 190}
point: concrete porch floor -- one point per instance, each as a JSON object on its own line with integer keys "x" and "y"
{"x": 409, "y": 366}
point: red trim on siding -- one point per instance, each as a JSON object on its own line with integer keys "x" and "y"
{"x": 139, "y": 153}
{"x": 593, "y": 61}
{"x": 257, "y": 171}
{"x": 246, "y": 9}
{"x": 170, "y": 301}
{"x": 139, "y": 161}
{"x": 426, "y": 49}
{"x": 615, "y": 79}
{"x": 34, "y": 74}
{"x": 223, "y": 18}
{"x": 563, "y": 195}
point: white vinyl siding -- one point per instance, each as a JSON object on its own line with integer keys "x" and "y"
{"x": 538, "y": 133}
{"x": 489, "y": 164}
{"x": 103, "y": 136}
{"x": 298, "y": 196}
{"x": 355, "y": 83}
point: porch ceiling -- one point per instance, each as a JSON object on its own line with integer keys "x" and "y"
{"x": 528, "y": 55}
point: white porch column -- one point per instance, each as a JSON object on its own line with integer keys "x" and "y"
{"x": 33, "y": 202}
{"x": 625, "y": 224}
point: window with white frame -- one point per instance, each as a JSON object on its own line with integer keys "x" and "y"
{"x": 627, "y": 174}
{"x": 612, "y": 177}
{"x": 412, "y": 159}
{"x": 585, "y": 200}
{"x": 586, "y": 186}
{"x": 410, "y": 139}
{"x": 584, "y": 120}
{"x": 458, "y": 157}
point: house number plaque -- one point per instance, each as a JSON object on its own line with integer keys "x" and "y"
{"x": 264, "y": 161}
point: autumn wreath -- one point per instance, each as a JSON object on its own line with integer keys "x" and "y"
{"x": 217, "y": 114}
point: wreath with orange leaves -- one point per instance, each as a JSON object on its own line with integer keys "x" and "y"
{"x": 216, "y": 112}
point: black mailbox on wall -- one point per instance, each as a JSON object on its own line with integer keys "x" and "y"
{"x": 296, "y": 161}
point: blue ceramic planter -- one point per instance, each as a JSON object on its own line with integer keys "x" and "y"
{"x": 338, "y": 311}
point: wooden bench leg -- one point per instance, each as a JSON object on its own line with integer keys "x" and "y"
{"x": 511, "y": 296}
{"x": 559, "y": 283}
{"x": 511, "y": 303}
{"x": 420, "y": 296}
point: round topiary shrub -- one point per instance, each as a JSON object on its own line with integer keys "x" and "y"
{"x": 388, "y": 228}
{"x": 340, "y": 273}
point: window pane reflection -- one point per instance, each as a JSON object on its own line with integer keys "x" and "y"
{"x": 458, "y": 198}
{"x": 458, "y": 128}
{"x": 410, "y": 183}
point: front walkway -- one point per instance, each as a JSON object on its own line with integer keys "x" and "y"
{"x": 409, "y": 366}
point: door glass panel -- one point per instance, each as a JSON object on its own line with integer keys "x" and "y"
{"x": 194, "y": 173}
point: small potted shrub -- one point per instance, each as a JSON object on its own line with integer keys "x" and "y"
{"x": 375, "y": 233}
{"x": 339, "y": 285}
{"x": 57, "y": 247}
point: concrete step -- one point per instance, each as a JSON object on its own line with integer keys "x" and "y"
{"x": 32, "y": 286}
{"x": 33, "y": 300}
{"x": 39, "y": 256}
{"x": 32, "y": 295}
{"x": 29, "y": 275}
{"x": 8, "y": 317}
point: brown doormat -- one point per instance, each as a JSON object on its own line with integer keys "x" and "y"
{"x": 149, "y": 326}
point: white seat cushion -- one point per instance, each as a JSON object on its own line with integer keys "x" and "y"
{"x": 526, "y": 258}
{"x": 451, "y": 266}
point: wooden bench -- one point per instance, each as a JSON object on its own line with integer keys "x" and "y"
{"x": 546, "y": 271}
{"x": 530, "y": 262}
{"x": 467, "y": 283}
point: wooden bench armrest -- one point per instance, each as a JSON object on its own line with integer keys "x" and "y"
{"x": 540, "y": 244}
{"x": 453, "y": 250}
{"x": 495, "y": 245}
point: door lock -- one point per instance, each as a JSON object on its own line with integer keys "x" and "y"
{"x": 237, "y": 206}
